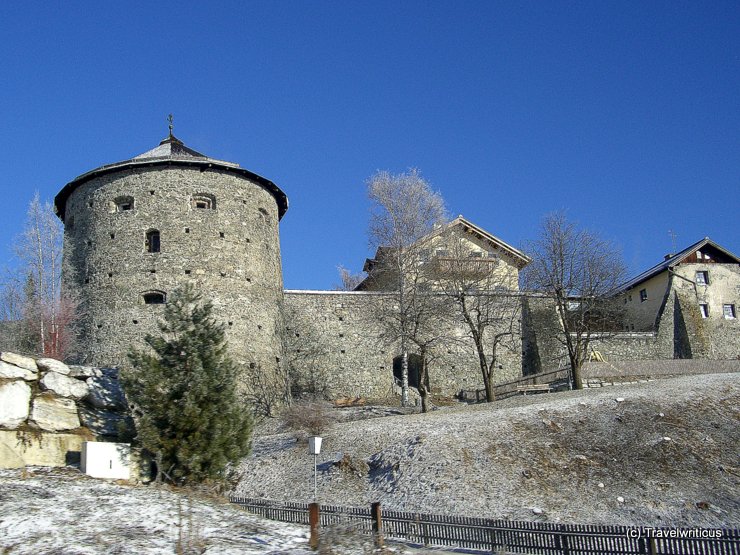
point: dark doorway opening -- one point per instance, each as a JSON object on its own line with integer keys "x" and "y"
{"x": 415, "y": 363}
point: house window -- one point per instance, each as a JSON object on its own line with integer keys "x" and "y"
{"x": 203, "y": 201}
{"x": 122, "y": 204}
{"x": 704, "y": 309}
{"x": 643, "y": 295}
{"x": 729, "y": 311}
{"x": 154, "y": 297}
{"x": 702, "y": 277}
{"x": 152, "y": 241}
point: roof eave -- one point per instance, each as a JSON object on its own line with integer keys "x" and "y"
{"x": 60, "y": 200}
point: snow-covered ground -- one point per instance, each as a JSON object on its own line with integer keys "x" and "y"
{"x": 61, "y": 511}
{"x": 663, "y": 453}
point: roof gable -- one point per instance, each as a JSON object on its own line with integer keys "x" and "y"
{"x": 687, "y": 255}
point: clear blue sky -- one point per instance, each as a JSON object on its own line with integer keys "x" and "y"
{"x": 625, "y": 114}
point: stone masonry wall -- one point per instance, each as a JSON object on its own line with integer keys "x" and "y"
{"x": 333, "y": 340}
{"x": 231, "y": 253}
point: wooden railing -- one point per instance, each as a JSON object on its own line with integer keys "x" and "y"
{"x": 489, "y": 535}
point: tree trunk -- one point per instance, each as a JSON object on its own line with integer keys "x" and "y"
{"x": 404, "y": 376}
{"x": 158, "y": 462}
{"x": 424, "y": 383}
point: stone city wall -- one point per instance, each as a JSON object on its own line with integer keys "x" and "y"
{"x": 335, "y": 340}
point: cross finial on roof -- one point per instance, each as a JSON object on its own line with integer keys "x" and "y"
{"x": 169, "y": 119}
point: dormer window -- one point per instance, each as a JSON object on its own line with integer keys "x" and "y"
{"x": 203, "y": 201}
{"x": 155, "y": 297}
{"x": 152, "y": 241}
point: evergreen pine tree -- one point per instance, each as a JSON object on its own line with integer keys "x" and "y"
{"x": 184, "y": 394}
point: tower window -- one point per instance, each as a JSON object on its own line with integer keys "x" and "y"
{"x": 203, "y": 201}
{"x": 152, "y": 241}
{"x": 154, "y": 297}
{"x": 122, "y": 204}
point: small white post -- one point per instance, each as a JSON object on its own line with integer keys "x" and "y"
{"x": 314, "y": 448}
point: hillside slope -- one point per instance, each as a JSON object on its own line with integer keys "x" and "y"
{"x": 662, "y": 453}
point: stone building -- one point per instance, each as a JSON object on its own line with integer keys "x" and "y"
{"x": 136, "y": 230}
{"x": 692, "y": 298}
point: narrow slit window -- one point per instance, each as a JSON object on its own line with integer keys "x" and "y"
{"x": 704, "y": 309}
{"x": 152, "y": 241}
{"x": 643, "y": 295}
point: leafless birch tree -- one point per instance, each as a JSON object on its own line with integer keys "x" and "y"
{"x": 47, "y": 312}
{"x": 347, "y": 280}
{"x": 578, "y": 270}
{"x": 404, "y": 209}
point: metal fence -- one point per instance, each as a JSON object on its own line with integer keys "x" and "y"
{"x": 487, "y": 535}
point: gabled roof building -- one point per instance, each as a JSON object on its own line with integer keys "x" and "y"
{"x": 695, "y": 293}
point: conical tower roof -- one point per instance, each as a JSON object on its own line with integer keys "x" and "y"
{"x": 171, "y": 151}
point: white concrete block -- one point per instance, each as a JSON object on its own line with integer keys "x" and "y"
{"x": 106, "y": 460}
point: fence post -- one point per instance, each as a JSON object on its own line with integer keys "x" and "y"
{"x": 313, "y": 522}
{"x": 377, "y": 517}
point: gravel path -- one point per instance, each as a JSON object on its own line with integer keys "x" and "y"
{"x": 663, "y": 453}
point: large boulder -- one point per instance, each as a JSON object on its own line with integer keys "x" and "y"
{"x": 106, "y": 423}
{"x": 76, "y": 371}
{"x": 19, "y": 360}
{"x": 53, "y": 365}
{"x": 12, "y": 372}
{"x": 14, "y": 400}
{"x": 64, "y": 386}
{"x": 54, "y": 413}
{"x": 106, "y": 393}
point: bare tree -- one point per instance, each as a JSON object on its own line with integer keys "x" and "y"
{"x": 578, "y": 270}
{"x": 486, "y": 298}
{"x": 347, "y": 280}
{"x": 404, "y": 209}
{"x": 34, "y": 294}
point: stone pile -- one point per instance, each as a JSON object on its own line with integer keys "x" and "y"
{"x": 49, "y": 396}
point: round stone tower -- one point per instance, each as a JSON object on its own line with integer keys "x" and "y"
{"x": 137, "y": 230}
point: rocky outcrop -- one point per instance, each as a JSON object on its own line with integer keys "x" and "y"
{"x": 20, "y": 361}
{"x": 48, "y": 396}
{"x": 12, "y": 372}
{"x": 51, "y": 365}
{"x": 64, "y": 386}
{"x": 14, "y": 399}
{"x": 55, "y": 414}
{"x": 105, "y": 392}
{"x": 84, "y": 372}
